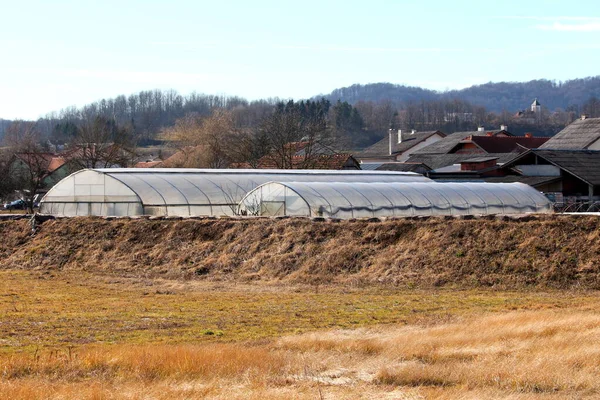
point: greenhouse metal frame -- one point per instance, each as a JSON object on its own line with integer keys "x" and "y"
{"x": 362, "y": 200}
{"x": 181, "y": 192}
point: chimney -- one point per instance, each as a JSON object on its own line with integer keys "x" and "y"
{"x": 480, "y": 128}
{"x": 412, "y": 132}
{"x": 528, "y": 135}
{"x": 503, "y": 127}
{"x": 583, "y": 116}
{"x": 399, "y": 135}
{"x": 391, "y": 141}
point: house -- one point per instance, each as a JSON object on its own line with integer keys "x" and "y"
{"x": 443, "y": 152}
{"x": 497, "y": 144}
{"x": 582, "y": 134}
{"x": 419, "y": 168}
{"x": 562, "y": 174}
{"x": 469, "y": 169}
{"x": 38, "y": 172}
{"x": 459, "y": 147}
{"x": 398, "y": 146}
{"x": 148, "y": 164}
{"x": 532, "y": 115}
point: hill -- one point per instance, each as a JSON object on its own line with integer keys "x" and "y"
{"x": 497, "y": 97}
{"x": 552, "y": 251}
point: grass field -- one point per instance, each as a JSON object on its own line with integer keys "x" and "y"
{"x": 77, "y": 335}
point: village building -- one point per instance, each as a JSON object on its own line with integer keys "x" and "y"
{"x": 582, "y": 134}
{"x": 461, "y": 146}
{"x": 565, "y": 167}
{"x": 532, "y": 115}
{"x": 567, "y": 176}
{"x": 45, "y": 168}
{"x": 398, "y": 146}
{"x": 419, "y": 168}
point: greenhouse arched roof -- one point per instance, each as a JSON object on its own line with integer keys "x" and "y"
{"x": 182, "y": 192}
{"x": 352, "y": 200}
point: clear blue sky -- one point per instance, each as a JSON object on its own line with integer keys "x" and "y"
{"x": 56, "y": 54}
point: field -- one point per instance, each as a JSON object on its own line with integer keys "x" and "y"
{"x": 67, "y": 335}
{"x": 94, "y": 309}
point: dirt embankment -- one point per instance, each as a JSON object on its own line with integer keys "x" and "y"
{"x": 553, "y": 251}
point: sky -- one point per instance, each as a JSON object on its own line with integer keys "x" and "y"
{"x": 57, "y": 54}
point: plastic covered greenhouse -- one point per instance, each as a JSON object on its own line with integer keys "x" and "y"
{"x": 356, "y": 200}
{"x": 181, "y": 192}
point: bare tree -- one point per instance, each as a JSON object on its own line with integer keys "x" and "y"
{"x": 294, "y": 140}
{"x": 7, "y": 184}
{"x": 30, "y": 164}
{"x": 101, "y": 143}
{"x": 215, "y": 141}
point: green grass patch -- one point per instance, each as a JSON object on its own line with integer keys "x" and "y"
{"x": 40, "y": 311}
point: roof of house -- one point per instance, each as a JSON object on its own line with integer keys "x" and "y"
{"x": 435, "y": 161}
{"x": 409, "y": 140}
{"x": 445, "y": 145}
{"x": 528, "y": 180}
{"x": 576, "y": 136}
{"x": 479, "y": 159}
{"x": 507, "y": 144}
{"x": 148, "y": 164}
{"x": 311, "y": 148}
{"x": 51, "y": 162}
{"x": 406, "y": 167}
{"x": 535, "y": 102}
{"x": 584, "y": 164}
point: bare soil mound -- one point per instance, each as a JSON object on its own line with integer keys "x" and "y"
{"x": 551, "y": 251}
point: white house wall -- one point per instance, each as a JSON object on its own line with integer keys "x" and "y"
{"x": 595, "y": 145}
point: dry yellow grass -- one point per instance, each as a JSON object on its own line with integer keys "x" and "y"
{"x": 94, "y": 309}
{"x": 545, "y": 252}
{"x": 520, "y": 355}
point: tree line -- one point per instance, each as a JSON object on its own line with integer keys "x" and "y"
{"x": 219, "y": 131}
{"x": 495, "y": 97}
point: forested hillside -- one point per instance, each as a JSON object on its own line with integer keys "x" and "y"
{"x": 348, "y": 119}
{"x": 495, "y": 97}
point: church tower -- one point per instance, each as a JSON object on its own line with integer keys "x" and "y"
{"x": 536, "y": 107}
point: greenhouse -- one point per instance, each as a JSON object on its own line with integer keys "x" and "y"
{"x": 181, "y": 192}
{"x": 358, "y": 200}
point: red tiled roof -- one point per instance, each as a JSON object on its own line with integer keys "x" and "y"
{"x": 51, "y": 162}
{"x": 56, "y": 163}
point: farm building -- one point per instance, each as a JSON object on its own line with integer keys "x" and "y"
{"x": 356, "y": 200}
{"x": 181, "y": 192}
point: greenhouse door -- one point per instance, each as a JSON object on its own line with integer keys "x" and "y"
{"x": 272, "y": 208}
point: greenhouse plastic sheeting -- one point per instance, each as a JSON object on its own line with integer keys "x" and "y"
{"x": 356, "y": 200}
{"x": 181, "y": 192}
